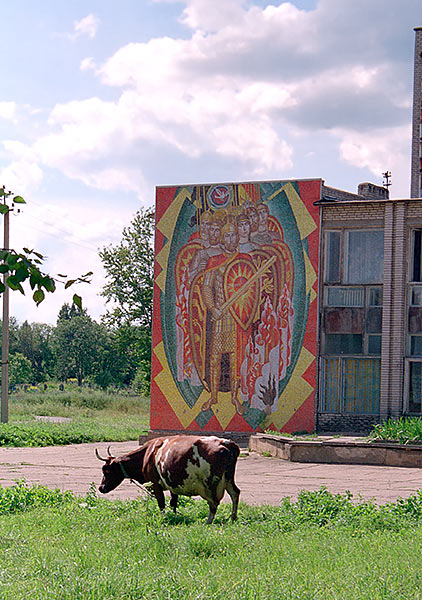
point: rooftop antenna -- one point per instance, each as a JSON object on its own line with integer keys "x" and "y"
{"x": 386, "y": 179}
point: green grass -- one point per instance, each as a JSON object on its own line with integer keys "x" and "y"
{"x": 95, "y": 416}
{"x": 323, "y": 546}
{"x": 404, "y": 430}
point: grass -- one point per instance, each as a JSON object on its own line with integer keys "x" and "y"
{"x": 94, "y": 416}
{"x": 323, "y": 546}
{"x": 404, "y": 430}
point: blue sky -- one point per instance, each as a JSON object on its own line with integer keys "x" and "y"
{"x": 102, "y": 101}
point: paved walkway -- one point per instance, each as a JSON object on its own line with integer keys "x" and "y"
{"x": 261, "y": 480}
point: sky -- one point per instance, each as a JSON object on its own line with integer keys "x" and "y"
{"x": 102, "y": 101}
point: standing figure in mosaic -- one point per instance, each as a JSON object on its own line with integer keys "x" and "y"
{"x": 223, "y": 325}
{"x": 263, "y": 234}
{"x": 244, "y": 229}
{"x": 213, "y": 247}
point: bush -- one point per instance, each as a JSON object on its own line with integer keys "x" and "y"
{"x": 22, "y": 497}
{"x": 141, "y": 381}
{"x": 404, "y": 430}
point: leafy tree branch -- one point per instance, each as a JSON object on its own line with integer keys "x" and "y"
{"x": 21, "y": 267}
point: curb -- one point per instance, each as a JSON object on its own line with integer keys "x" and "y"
{"x": 337, "y": 452}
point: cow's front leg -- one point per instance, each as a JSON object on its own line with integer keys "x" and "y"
{"x": 173, "y": 501}
{"x": 213, "y": 509}
{"x": 159, "y": 494}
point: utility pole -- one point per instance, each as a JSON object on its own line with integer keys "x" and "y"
{"x": 5, "y": 332}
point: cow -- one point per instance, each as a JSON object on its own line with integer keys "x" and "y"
{"x": 186, "y": 465}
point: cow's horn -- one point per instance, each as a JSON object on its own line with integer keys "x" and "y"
{"x": 108, "y": 451}
{"x": 98, "y": 456}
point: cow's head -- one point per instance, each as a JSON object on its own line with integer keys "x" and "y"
{"x": 112, "y": 473}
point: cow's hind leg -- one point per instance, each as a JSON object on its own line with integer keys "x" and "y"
{"x": 231, "y": 487}
{"x": 173, "y": 501}
{"x": 216, "y": 492}
{"x": 234, "y": 494}
{"x": 159, "y": 494}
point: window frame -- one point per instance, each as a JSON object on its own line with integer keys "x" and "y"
{"x": 346, "y": 245}
{"x": 412, "y": 257}
{"x": 365, "y": 334}
{"x": 327, "y": 255}
{"x": 406, "y": 408}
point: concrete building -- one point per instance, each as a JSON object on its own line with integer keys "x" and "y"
{"x": 416, "y": 172}
{"x": 370, "y": 310}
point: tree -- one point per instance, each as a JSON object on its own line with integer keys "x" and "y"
{"x": 20, "y": 370}
{"x": 77, "y": 345}
{"x": 130, "y": 273}
{"x": 20, "y": 267}
{"x": 129, "y": 268}
{"x": 33, "y": 340}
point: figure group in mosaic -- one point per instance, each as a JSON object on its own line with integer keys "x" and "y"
{"x": 234, "y": 312}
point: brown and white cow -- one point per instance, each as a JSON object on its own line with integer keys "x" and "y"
{"x": 186, "y": 465}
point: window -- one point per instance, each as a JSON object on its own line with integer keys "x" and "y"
{"x": 415, "y": 387}
{"x": 417, "y": 255}
{"x": 351, "y": 324}
{"x": 415, "y": 321}
{"x": 343, "y": 343}
{"x": 344, "y": 296}
{"x": 416, "y": 296}
{"x": 414, "y": 326}
{"x": 364, "y": 256}
{"x": 332, "y": 256}
{"x": 350, "y": 385}
{"x": 352, "y": 321}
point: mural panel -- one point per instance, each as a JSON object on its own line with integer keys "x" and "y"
{"x": 234, "y": 332}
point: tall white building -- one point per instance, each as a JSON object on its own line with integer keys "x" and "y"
{"x": 416, "y": 172}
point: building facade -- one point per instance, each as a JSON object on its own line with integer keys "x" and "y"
{"x": 285, "y": 305}
{"x": 370, "y": 312}
{"x": 416, "y": 166}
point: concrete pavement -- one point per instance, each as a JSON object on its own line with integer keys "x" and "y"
{"x": 262, "y": 480}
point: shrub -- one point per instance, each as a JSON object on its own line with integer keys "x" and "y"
{"x": 22, "y": 497}
{"x": 404, "y": 430}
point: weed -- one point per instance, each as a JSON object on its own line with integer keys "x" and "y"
{"x": 405, "y": 430}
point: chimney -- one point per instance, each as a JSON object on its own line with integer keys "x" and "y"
{"x": 371, "y": 191}
{"x": 416, "y": 167}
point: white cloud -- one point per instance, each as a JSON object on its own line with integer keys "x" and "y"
{"x": 202, "y": 14}
{"x": 69, "y": 234}
{"x": 21, "y": 176}
{"x": 88, "y": 64}
{"x": 245, "y": 96}
{"x": 246, "y": 84}
{"x": 8, "y": 110}
{"x": 388, "y": 150}
{"x": 87, "y": 26}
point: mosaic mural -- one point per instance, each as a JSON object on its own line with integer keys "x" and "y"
{"x": 234, "y": 333}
